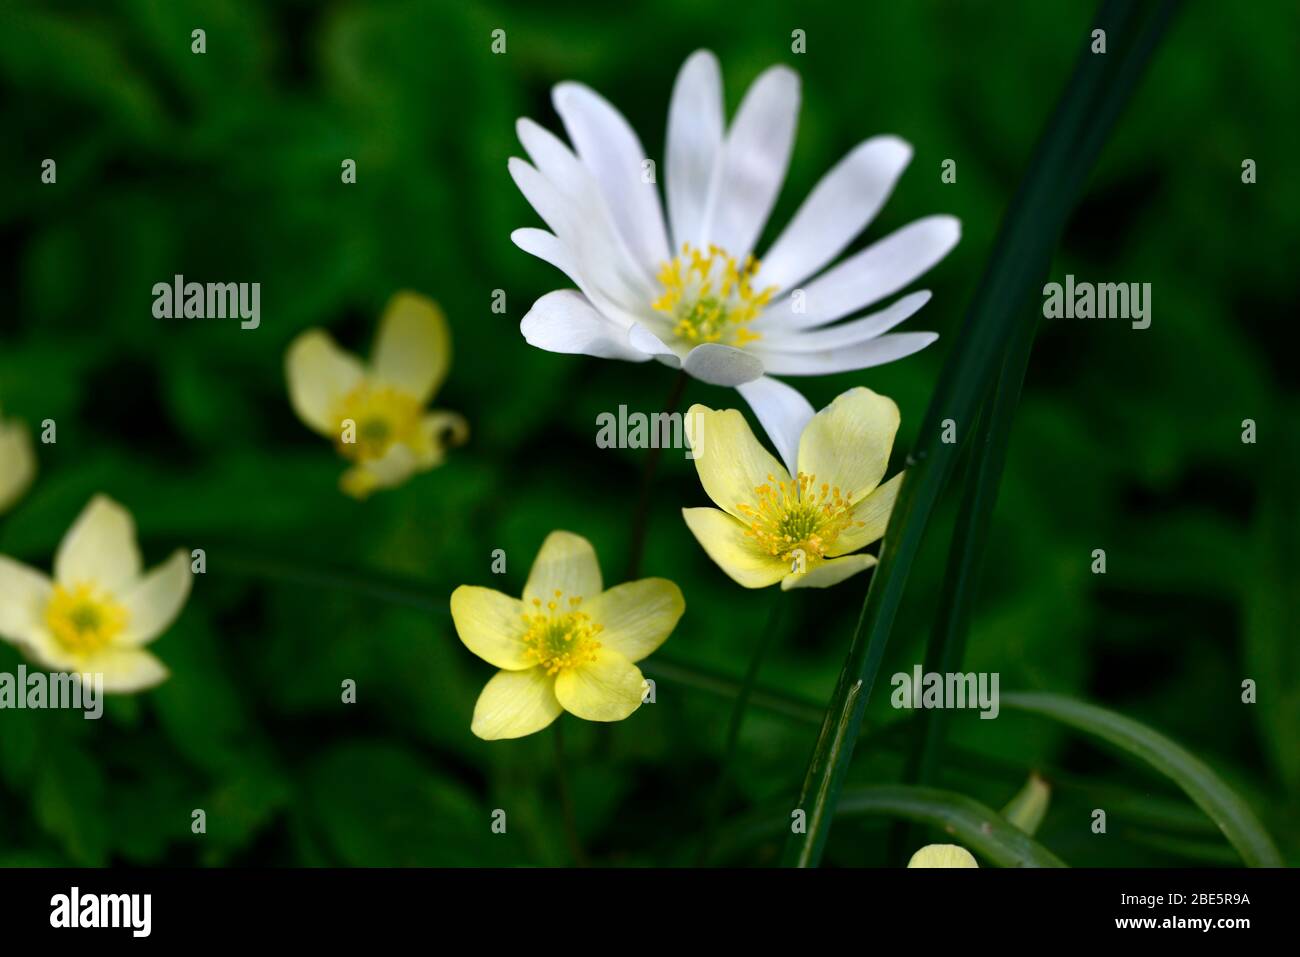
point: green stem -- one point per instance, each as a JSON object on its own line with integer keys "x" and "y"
{"x": 641, "y": 517}
{"x": 720, "y": 789}
{"x": 566, "y": 796}
{"x": 965, "y": 562}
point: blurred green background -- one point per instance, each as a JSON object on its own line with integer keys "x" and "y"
{"x": 226, "y": 167}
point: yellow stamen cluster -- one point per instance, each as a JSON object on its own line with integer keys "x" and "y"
{"x": 371, "y": 419}
{"x": 797, "y": 517}
{"x": 84, "y": 619}
{"x": 710, "y": 298}
{"x": 559, "y": 636}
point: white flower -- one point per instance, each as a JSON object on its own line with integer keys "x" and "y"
{"x": 702, "y": 302}
{"x": 101, "y": 608}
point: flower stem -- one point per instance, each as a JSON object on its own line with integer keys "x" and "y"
{"x": 566, "y": 797}
{"x": 720, "y": 789}
{"x": 642, "y": 515}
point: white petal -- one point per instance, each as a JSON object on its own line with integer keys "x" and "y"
{"x": 100, "y": 548}
{"x": 880, "y": 270}
{"x": 782, "y": 411}
{"x": 564, "y": 321}
{"x": 153, "y": 603}
{"x": 718, "y": 364}
{"x": 581, "y": 222}
{"x": 125, "y": 669}
{"x": 830, "y": 572}
{"x": 565, "y": 563}
{"x": 611, "y": 150}
{"x": 548, "y": 248}
{"x": 753, "y": 162}
{"x": 695, "y": 125}
{"x": 24, "y": 595}
{"x": 840, "y": 206}
{"x": 514, "y": 704}
{"x": 645, "y": 341}
{"x": 864, "y": 355}
{"x": 848, "y": 333}
{"x": 320, "y": 374}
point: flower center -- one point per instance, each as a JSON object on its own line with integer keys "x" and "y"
{"x": 559, "y": 636}
{"x": 709, "y": 298}
{"x": 84, "y": 619}
{"x": 797, "y": 518}
{"x": 371, "y": 419}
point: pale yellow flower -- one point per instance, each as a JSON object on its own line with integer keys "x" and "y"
{"x": 800, "y": 532}
{"x": 101, "y": 609}
{"x": 376, "y": 414}
{"x": 17, "y": 462}
{"x": 569, "y": 645}
{"x": 942, "y": 855}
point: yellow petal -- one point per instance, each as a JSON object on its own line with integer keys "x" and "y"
{"x": 124, "y": 669}
{"x": 491, "y": 625}
{"x": 320, "y": 374}
{"x": 873, "y": 512}
{"x": 723, "y": 537}
{"x": 397, "y": 465}
{"x": 607, "y": 689}
{"x": 442, "y": 430}
{"x": 847, "y": 444}
{"x": 637, "y": 616}
{"x": 17, "y": 463}
{"x": 100, "y": 548}
{"x": 942, "y": 855}
{"x": 567, "y": 563}
{"x": 413, "y": 348}
{"x": 153, "y": 602}
{"x": 24, "y": 595}
{"x": 730, "y": 461}
{"x": 515, "y": 703}
{"x": 830, "y": 572}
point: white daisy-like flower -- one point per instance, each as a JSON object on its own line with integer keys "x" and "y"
{"x": 686, "y": 289}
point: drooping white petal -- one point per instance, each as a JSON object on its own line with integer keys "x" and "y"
{"x": 830, "y": 572}
{"x": 695, "y": 126}
{"x": 564, "y": 321}
{"x": 880, "y": 270}
{"x": 611, "y": 150}
{"x": 753, "y": 162}
{"x": 649, "y": 343}
{"x": 782, "y": 411}
{"x": 840, "y": 206}
{"x": 864, "y": 355}
{"x": 848, "y": 333}
{"x": 723, "y": 365}
{"x": 548, "y": 248}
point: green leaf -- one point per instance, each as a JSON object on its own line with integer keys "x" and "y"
{"x": 377, "y": 805}
{"x": 1234, "y": 818}
{"x": 1099, "y": 88}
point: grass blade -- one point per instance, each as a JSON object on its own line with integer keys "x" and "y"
{"x": 975, "y": 826}
{"x": 1093, "y": 99}
{"x": 1233, "y": 816}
